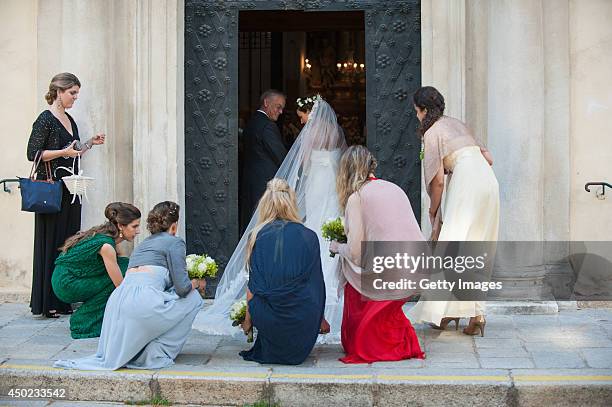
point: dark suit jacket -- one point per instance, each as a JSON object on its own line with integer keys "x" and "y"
{"x": 264, "y": 152}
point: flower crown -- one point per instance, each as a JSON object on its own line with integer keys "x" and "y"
{"x": 301, "y": 102}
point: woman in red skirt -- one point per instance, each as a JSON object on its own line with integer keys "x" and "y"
{"x": 375, "y": 210}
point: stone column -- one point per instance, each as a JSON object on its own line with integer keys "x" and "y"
{"x": 443, "y": 24}
{"x": 158, "y": 136}
{"x": 18, "y": 46}
{"x": 556, "y": 154}
{"x": 516, "y": 127}
{"x": 476, "y": 67}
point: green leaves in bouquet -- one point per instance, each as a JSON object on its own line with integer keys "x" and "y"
{"x": 200, "y": 267}
{"x": 333, "y": 230}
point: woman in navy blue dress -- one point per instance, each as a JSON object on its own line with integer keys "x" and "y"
{"x": 286, "y": 291}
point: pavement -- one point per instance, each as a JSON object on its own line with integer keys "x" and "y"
{"x": 558, "y": 359}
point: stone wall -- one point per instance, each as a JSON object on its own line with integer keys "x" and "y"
{"x": 20, "y": 104}
{"x": 531, "y": 77}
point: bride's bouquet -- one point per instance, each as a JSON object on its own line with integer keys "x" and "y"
{"x": 333, "y": 229}
{"x": 238, "y": 314}
{"x": 200, "y": 267}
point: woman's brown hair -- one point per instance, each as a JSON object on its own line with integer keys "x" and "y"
{"x": 428, "y": 98}
{"x": 61, "y": 81}
{"x": 116, "y": 213}
{"x": 305, "y": 104}
{"x": 162, "y": 216}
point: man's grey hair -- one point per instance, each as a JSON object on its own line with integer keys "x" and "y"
{"x": 270, "y": 93}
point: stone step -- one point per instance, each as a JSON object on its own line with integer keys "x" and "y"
{"x": 289, "y": 386}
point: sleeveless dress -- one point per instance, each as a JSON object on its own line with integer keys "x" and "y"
{"x": 80, "y": 276}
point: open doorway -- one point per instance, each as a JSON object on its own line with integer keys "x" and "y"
{"x": 303, "y": 54}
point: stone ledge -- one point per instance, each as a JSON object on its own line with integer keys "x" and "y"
{"x": 461, "y": 387}
{"x": 521, "y": 307}
{"x": 14, "y": 296}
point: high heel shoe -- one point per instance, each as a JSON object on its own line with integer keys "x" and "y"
{"x": 444, "y": 323}
{"x": 476, "y": 325}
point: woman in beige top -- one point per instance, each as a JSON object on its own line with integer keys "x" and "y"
{"x": 471, "y": 208}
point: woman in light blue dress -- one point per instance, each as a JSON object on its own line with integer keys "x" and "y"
{"x": 149, "y": 316}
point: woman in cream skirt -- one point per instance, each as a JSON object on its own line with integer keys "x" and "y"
{"x": 471, "y": 207}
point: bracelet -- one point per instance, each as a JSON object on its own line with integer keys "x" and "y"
{"x": 89, "y": 144}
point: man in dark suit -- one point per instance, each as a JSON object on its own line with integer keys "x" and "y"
{"x": 264, "y": 152}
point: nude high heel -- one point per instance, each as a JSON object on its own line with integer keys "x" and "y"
{"x": 476, "y": 326}
{"x": 444, "y": 323}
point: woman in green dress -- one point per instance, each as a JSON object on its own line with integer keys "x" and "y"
{"x": 89, "y": 268}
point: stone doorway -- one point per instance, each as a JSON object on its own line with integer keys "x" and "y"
{"x": 392, "y": 51}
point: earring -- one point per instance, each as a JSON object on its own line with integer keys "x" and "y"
{"x": 59, "y": 101}
{"x": 121, "y": 234}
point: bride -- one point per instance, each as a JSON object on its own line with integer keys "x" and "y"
{"x": 309, "y": 168}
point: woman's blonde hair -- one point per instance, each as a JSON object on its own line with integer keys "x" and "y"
{"x": 277, "y": 202}
{"x": 355, "y": 165}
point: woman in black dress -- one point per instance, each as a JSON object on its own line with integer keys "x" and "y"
{"x": 55, "y": 135}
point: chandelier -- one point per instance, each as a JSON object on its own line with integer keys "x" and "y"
{"x": 350, "y": 67}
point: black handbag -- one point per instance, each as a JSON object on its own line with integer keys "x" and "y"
{"x": 40, "y": 196}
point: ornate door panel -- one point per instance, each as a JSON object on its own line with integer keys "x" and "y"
{"x": 393, "y": 60}
{"x": 211, "y": 129}
{"x": 392, "y": 30}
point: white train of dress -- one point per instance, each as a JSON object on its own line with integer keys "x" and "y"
{"x": 310, "y": 168}
{"x": 321, "y": 204}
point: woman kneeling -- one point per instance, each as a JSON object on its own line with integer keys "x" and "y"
{"x": 286, "y": 291}
{"x": 149, "y": 316}
{"x": 89, "y": 269}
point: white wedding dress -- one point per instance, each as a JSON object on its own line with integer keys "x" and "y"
{"x": 310, "y": 168}
{"x": 321, "y": 204}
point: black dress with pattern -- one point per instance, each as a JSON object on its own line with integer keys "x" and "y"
{"x": 51, "y": 230}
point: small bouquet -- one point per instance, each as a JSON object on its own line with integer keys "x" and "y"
{"x": 238, "y": 314}
{"x": 201, "y": 267}
{"x": 333, "y": 229}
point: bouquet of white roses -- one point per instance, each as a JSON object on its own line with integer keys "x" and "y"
{"x": 200, "y": 267}
{"x": 238, "y": 315}
{"x": 333, "y": 229}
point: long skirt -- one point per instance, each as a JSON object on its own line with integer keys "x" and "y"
{"x": 144, "y": 327}
{"x": 471, "y": 213}
{"x": 50, "y": 233}
{"x": 374, "y": 331}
